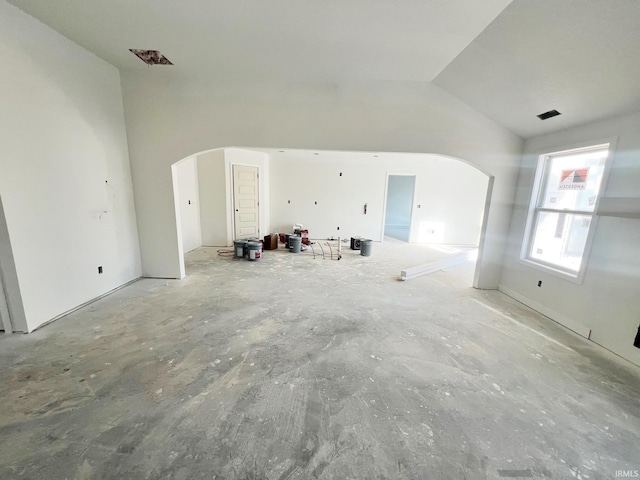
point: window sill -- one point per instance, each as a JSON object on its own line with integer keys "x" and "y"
{"x": 576, "y": 278}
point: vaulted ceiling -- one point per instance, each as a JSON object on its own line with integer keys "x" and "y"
{"x": 580, "y": 57}
{"x": 511, "y": 60}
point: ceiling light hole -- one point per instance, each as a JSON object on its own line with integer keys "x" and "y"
{"x": 151, "y": 57}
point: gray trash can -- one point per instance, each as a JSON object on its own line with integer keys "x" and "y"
{"x": 366, "y": 246}
{"x": 239, "y": 248}
{"x": 295, "y": 244}
{"x": 255, "y": 251}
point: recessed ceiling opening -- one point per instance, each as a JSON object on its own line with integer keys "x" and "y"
{"x": 151, "y": 57}
{"x": 549, "y": 114}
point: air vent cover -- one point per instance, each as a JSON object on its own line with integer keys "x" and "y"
{"x": 549, "y": 114}
{"x": 151, "y": 57}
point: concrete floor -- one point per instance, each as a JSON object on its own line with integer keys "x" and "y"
{"x": 293, "y": 368}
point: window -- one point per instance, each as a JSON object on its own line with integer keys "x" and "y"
{"x": 562, "y": 209}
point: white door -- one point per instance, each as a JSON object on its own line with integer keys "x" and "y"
{"x": 245, "y": 201}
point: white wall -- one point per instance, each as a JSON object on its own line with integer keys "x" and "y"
{"x": 62, "y": 137}
{"x": 170, "y": 118}
{"x": 213, "y": 198}
{"x": 607, "y": 302}
{"x": 187, "y": 198}
{"x": 448, "y": 191}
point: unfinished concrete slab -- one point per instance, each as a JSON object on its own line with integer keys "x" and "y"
{"x": 293, "y": 367}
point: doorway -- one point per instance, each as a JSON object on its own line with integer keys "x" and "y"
{"x": 246, "y": 201}
{"x": 399, "y": 206}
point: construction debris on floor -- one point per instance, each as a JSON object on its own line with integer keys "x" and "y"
{"x": 296, "y": 368}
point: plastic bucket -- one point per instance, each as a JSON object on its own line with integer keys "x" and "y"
{"x": 254, "y": 251}
{"x": 295, "y": 244}
{"x": 366, "y": 246}
{"x": 239, "y": 248}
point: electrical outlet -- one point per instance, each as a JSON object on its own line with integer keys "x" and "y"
{"x": 100, "y": 270}
{"x": 539, "y": 283}
{"x": 338, "y": 228}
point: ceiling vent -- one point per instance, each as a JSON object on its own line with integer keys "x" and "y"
{"x": 151, "y": 57}
{"x": 549, "y": 114}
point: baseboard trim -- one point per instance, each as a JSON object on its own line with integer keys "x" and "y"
{"x": 547, "y": 312}
{"x": 89, "y": 302}
{"x": 436, "y": 265}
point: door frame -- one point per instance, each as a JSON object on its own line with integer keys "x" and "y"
{"x": 413, "y": 202}
{"x": 262, "y": 192}
{"x": 233, "y": 193}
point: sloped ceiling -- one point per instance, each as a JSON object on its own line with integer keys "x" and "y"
{"x": 509, "y": 60}
{"x": 580, "y": 57}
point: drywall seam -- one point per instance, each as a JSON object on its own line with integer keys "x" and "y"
{"x": 547, "y": 312}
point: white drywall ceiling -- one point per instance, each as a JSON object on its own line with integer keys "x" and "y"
{"x": 581, "y": 57}
{"x": 508, "y": 60}
{"x": 406, "y": 40}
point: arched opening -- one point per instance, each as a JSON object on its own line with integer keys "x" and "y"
{"x": 333, "y": 194}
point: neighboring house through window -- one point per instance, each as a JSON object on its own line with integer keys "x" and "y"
{"x": 561, "y": 213}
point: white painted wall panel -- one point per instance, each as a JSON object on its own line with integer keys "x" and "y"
{"x": 213, "y": 198}
{"x": 62, "y": 137}
{"x": 607, "y": 302}
{"x": 169, "y": 118}
{"x": 450, "y": 194}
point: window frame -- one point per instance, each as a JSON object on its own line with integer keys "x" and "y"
{"x": 533, "y": 212}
